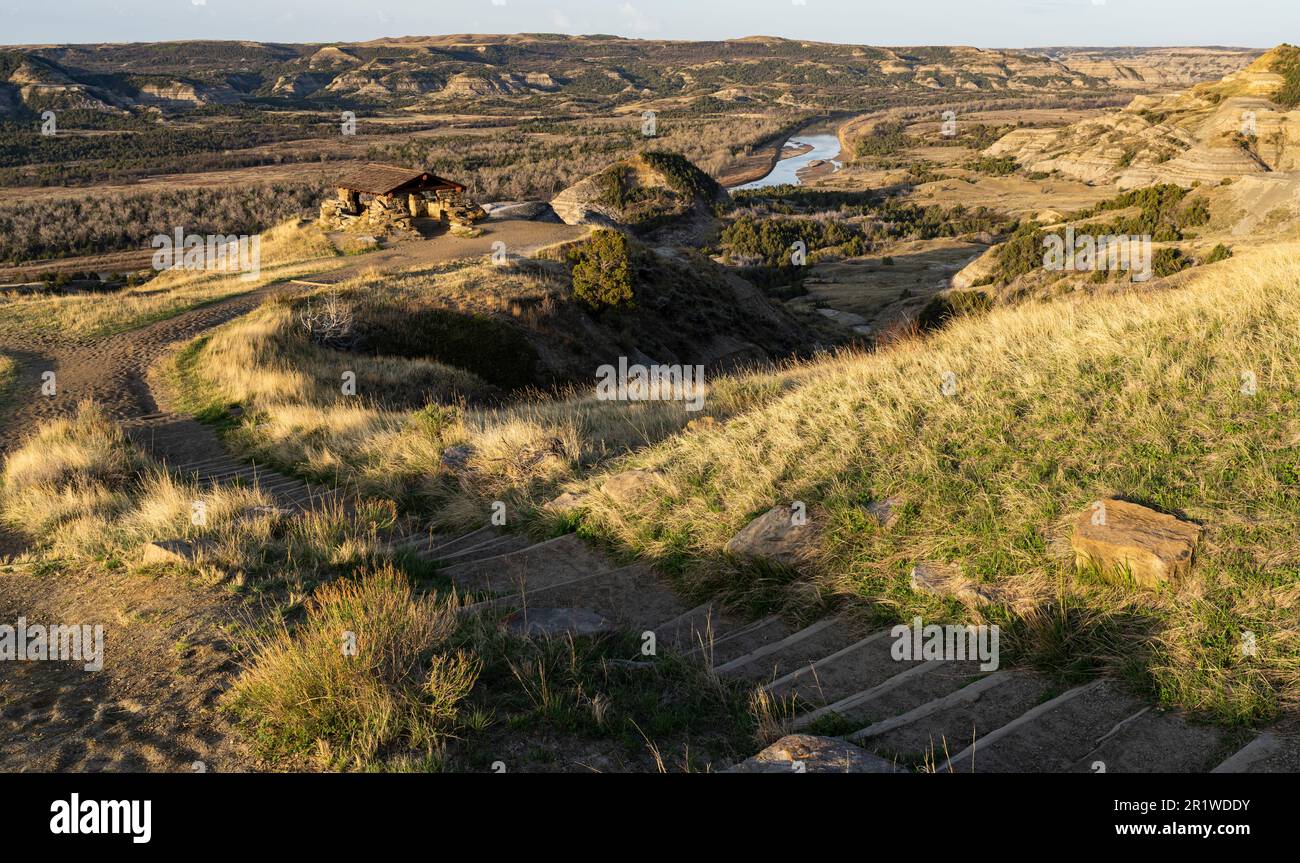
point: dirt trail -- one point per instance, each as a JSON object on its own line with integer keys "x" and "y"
{"x": 153, "y": 706}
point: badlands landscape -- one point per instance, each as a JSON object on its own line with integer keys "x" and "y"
{"x": 591, "y": 404}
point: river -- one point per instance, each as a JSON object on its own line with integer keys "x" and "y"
{"x": 824, "y": 147}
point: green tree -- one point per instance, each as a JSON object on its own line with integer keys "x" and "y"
{"x": 602, "y": 272}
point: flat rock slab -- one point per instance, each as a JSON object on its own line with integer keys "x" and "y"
{"x": 546, "y": 622}
{"x": 171, "y": 551}
{"x": 945, "y": 579}
{"x": 807, "y": 753}
{"x": 778, "y": 536}
{"x": 1119, "y": 536}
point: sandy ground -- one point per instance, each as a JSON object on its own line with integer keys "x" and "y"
{"x": 886, "y": 294}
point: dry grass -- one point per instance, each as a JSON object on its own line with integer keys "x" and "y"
{"x": 1057, "y": 405}
{"x": 85, "y": 494}
{"x": 288, "y": 250}
{"x": 370, "y": 668}
{"x": 316, "y": 585}
{"x": 520, "y": 453}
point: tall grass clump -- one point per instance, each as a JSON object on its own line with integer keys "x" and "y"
{"x": 84, "y": 493}
{"x": 369, "y": 673}
{"x": 69, "y": 471}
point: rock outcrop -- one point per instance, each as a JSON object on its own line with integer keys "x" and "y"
{"x": 644, "y": 191}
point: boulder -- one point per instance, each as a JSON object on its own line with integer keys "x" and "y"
{"x": 1116, "y": 535}
{"x": 566, "y": 502}
{"x": 776, "y": 536}
{"x": 456, "y": 457}
{"x": 532, "y": 211}
{"x": 886, "y": 511}
{"x": 807, "y": 753}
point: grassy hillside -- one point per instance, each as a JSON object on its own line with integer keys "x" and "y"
{"x": 1138, "y": 396}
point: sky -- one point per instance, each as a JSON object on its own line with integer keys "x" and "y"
{"x": 983, "y": 23}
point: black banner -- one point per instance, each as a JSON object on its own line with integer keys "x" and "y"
{"x": 137, "y": 814}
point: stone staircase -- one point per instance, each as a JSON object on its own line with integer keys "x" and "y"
{"x": 927, "y": 715}
{"x": 887, "y": 715}
{"x": 191, "y": 450}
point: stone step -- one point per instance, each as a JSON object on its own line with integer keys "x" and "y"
{"x": 279, "y": 486}
{"x": 227, "y": 476}
{"x": 415, "y": 542}
{"x": 864, "y": 664}
{"x": 220, "y": 467}
{"x": 928, "y": 733}
{"x": 498, "y": 547}
{"x": 466, "y": 540}
{"x": 556, "y": 561}
{"x": 634, "y": 597}
{"x": 313, "y": 499}
{"x": 698, "y": 627}
{"x": 920, "y": 683}
{"x": 151, "y": 419}
{"x": 744, "y": 641}
{"x": 1267, "y": 753}
{"x": 1052, "y": 736}
{"x": 1154, "y": 741}
{"x": 777, "y": 659}
{"x": 201, "y": 464}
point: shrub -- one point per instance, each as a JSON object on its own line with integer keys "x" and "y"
{"x": 602, "y": 273}
{"x": 886, "y": 139}
{"x": 997, "y": 166}
{"x": 1022, "y": 253}
{"x": 1218, "y": 253}
{"x": 1167, "y": 261}
{"x": 1288, "y": 66}
{"x": 682, "y": 175}
{"x": 944, "y": 307}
